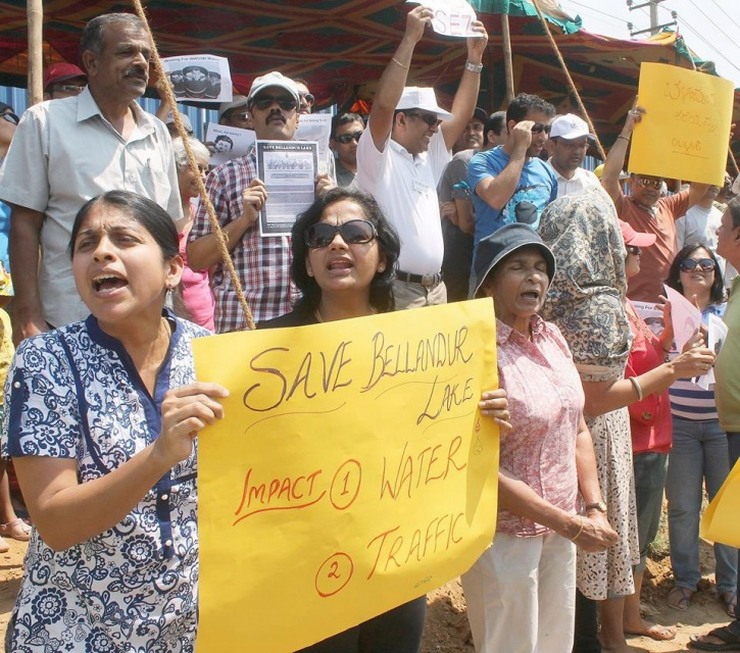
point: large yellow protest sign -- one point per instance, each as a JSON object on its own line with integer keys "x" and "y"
{"x": 719, "y": 522}
{"x": 352, "y": 472}
{"x": 686, "y": 130}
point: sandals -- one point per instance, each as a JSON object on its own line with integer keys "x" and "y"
{"x": 729, "y": 641}
{"x": 679, "y": 598}
{"x": 16, "y": 529}
{"x": 729, "y": 600}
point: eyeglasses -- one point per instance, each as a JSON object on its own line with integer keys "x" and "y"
{"x": 344, "y": 139}
{"x": 539, "y": 127}
{"x": 243, "y": 115}
{"x": 631, "y": 249}
{"x": 353, "y": 232}
{"x": 308, "y": 98}
{"x": 646, "y": 182}
{"x": 67, "y": 88}
{"x": 690, "y": 264}
{"x": 263, "y": 102}
{"x": 11, "y": 117}
{"x": 429, "y": 118}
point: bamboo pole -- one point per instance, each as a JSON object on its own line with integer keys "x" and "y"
{"x": 508, "y": 59}
{"x": 35, "y": 19}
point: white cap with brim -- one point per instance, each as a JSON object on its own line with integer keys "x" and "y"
{"x": 497, "y": 246}
{"x": 274, "y": 78}
{"x": 422, "y": 98}
{"x": 570, "y": 127}
{"x": 236, "y": 102}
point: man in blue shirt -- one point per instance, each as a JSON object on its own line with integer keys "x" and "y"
{"x": 511, "y": 183}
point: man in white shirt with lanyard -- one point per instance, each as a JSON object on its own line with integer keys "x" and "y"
{"x": 403, "y": 153}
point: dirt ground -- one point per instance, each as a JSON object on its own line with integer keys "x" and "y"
{"x": 447, "y": 628}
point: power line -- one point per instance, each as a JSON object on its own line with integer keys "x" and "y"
{"x": 709, "y": 45}
{"x": 726, "y": 14}
{"x": 719, "y": 29}
{"x": 620, "y": 21}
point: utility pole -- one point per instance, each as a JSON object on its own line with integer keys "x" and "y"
{"x": 654, "y": 26}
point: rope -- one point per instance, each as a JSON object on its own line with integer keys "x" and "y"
{"x": 573, "y": 88}
{"x": 193, "y": 165}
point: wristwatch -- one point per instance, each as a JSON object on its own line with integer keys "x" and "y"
{"x": 599, "y": 505}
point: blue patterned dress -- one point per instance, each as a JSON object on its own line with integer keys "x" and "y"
{"x": 75, "y": 393}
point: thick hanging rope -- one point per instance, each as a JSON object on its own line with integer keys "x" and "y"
{"x": 193, "y": 165}
{"x": 573, "y": 88}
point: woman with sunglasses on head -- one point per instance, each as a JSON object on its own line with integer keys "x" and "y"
{"x": 344, "y": 258}
{"x": 699, "y": 454}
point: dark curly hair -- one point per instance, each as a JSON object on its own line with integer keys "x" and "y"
{"x": 717, "y": 291}
{"x": 381, "y": 287}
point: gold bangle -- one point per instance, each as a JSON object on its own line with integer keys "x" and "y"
{"x": 398, "y": 63}
{"x": 580, "y": 530}
{"x": 624, "y": 138}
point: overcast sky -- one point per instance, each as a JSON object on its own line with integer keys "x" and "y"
{"x": 711, "y": 28}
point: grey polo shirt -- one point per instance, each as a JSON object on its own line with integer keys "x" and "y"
{"x": 65, "y": 152}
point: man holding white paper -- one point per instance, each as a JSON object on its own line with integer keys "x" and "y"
{"x": 404, "y": 151}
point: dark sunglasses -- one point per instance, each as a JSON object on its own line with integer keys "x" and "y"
{"x": 308, "y": 98}
{"x": 344, "y": 139}
{"x": 649, "y": 183}
{"x": 11, "y": 117}
{"x": 690, "y": 264}
{"x": 263, "y": 102}
{"x": 353, "y": 232}
{"x": 631, "y": 249}
{"x": 540, "y": 127}
{"x": 242, "y": 115}
{"x": 429, "y": 118}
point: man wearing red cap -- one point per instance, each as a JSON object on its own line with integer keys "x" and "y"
{"x": 63, "y": 80}
{"x": 69, "y": 150}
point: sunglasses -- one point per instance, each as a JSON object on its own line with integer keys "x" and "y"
{"x": 649, "y": 183}
{"x": 540, "y": 127}
{"x": 344, "y": 139}
{"x": 429, "y": 118}
{"x": 308, "y": 98}
{"x": 631, "y": 249}
{"x": 353, "y": 232}
{"x": 264, "y": 102}
{"x": 690, "y": 264}
{"x": 242, "y": 115}
{"x": 67, "y": 88}
{"x": 11, "y": 117}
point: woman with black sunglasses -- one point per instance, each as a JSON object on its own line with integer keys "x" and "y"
{"x": 344, "y": 262}
{"x": 699, "y": 454}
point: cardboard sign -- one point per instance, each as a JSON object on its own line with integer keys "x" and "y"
{"x": 686, "y": 130}
{"x": 352, "y": 472}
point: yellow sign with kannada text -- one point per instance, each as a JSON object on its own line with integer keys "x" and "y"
{"x": 352, "y": 472}
{"x": 685, "y": 131}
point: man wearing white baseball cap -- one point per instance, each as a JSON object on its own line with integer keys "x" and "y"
{"x": 404, "y": 151}
{"x": 569, "y": 142}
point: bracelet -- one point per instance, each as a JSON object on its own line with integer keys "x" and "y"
{"x": 624, "y": 138}
{"x": 473, "y": 67}
{"x": 580, "y": 530}
{"x": 398, "y": 63}
{"x": 638, "y": 389}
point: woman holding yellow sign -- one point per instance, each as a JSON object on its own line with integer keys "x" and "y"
{"x": 102, "y": 417}
{"x": 344, "y": 259}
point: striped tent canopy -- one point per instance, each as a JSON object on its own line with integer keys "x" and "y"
{"x": 341, "y": 47}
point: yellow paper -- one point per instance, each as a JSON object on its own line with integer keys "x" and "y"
{"x": 686, "y": 130}
{"x": 720, "y": 522}
{"x": 352, "y": 472}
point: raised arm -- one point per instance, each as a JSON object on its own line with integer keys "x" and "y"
{"x": 614, "y": 163}
{"x": 467, "y": 92}
{"x": 393, "y": 79}
{"x": 497, "y": 191}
